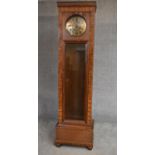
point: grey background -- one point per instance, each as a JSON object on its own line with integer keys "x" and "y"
{"x": 104, "y": 82}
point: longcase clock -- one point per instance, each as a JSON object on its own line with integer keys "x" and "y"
{"x": 75, "y": 73}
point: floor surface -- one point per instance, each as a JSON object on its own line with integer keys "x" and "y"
{"x": 105, "y": 140}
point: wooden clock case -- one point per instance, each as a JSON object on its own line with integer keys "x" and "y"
{"x": 75, "y": 76}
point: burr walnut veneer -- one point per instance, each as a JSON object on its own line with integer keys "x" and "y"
{"x": 75, "y": 73}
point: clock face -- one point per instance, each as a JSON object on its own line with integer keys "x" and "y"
{"x": 76, "y": 25}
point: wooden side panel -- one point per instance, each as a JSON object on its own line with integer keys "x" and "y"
{"x": 90, "y": 67}
{"x": 60, "y": 71}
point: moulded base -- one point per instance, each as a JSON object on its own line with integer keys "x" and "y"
{"x": 74, "y": 134}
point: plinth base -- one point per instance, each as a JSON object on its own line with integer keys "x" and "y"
{"x": 74, "y": 134}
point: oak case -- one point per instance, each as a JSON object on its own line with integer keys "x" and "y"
{"x": 75, "y": 76}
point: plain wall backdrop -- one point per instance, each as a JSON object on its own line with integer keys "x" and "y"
{"x": 105, "y": 61}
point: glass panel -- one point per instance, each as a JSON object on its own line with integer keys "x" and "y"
{"x": 74, "y": 81}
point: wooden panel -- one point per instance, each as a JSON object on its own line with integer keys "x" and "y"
{"x": 75, "y": 135}
{"x": 77, "y": 4}
{"x": 74, "y": 81}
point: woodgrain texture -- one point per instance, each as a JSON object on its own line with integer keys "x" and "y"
{"x": 75, "y": 125}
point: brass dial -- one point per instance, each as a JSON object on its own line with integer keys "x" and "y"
{"x": 76, "y": 25}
